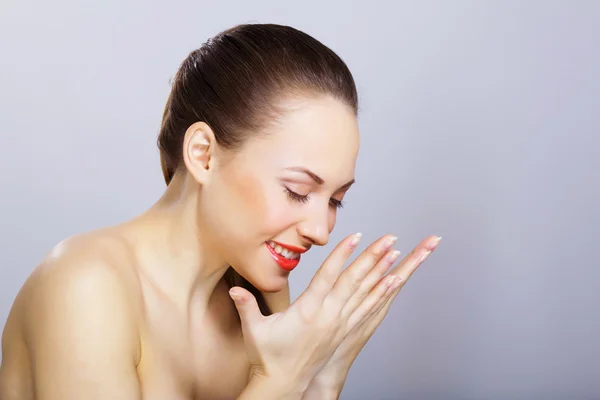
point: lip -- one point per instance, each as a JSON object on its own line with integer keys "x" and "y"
{"x": 283, "y": 262}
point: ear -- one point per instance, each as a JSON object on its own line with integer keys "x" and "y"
{"x": 198, "y": 149}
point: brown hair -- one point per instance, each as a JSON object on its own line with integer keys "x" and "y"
{"x": 233, "y": 83}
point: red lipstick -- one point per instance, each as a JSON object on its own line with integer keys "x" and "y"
{"x": 283, "y": 262}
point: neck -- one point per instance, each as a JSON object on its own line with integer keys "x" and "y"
{"x": 175, "y": 252}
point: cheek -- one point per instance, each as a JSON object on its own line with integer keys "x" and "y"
{"x": 258, "y": 207}
{"x": 250, "y": 203}
{"x": 280, "y": 214}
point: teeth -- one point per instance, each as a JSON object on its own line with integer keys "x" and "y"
{"x": 290, "y": 255}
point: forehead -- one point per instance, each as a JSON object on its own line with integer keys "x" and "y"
{"x": 321, "y": 134}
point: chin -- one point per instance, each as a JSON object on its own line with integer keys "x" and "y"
{"x": 269, "y": 284}
{"x": 273, "y": 286}
{"x": 266, "y": 283}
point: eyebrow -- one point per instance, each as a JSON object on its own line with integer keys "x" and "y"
{"x": 317, "y": 178}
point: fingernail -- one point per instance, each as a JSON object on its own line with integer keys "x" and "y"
{"x": 393, "y": 256}
{"x": 355, "y": 239}
{"x": 436, "y": 241}
{"x": 397, "y": 282}
{"x": 389, "y": 243}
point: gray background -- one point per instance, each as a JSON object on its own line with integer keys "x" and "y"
{"x": 479, "y": 123}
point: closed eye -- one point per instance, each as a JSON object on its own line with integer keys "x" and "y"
{"x": 304, "y": 199}
{"x": 295, "y": 196}
{"x": 336, "y": 203}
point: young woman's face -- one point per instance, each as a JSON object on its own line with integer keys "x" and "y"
{"x": 281, "y": 192}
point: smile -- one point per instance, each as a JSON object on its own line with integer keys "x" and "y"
{"x": 285, "y": 257}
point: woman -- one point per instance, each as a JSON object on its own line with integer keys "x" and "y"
{"x": 190, "y": 299}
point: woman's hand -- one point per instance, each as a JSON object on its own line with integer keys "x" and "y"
{"x": 330, "y": 380}
{"x": 293, "y": 346}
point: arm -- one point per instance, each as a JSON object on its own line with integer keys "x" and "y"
{"x": 81, "y": 333}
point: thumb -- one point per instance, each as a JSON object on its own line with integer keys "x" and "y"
{"x": 246, "y": 304}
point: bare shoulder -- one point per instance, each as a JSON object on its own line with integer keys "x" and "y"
{"x": 76, "y": 317}
{"x": 83, "y": 275}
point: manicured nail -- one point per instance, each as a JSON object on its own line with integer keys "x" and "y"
{"x": 436, "y": 241}
{"x": 397, "y": 282}
{"x": 393, "y": 256}
{"x": 355, "y": 240}
{"x": 389, "y": 243}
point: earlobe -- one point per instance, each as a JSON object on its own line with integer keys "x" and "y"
{"x": 198, "y": 146}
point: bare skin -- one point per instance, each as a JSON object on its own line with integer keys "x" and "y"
{"x": 163, "y": 352}
{"x": 141, "y": 310}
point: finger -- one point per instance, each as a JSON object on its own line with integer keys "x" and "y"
{"x": 350, "y": 280}
{"x": 375, "y": 297}
{"x": 386, "y": 299}
{"x": 380, "y": 311}
{"x": 246, "y": 305}
{"x": 416, "y": 257}
{"x": 330, "y": 270}
{"x": 379, "y": 270}
{"x": 382, "y": 308}
{"x": 377, "y": 313}
{"x": 372, "y": 278}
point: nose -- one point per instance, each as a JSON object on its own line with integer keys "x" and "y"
{"x": 315, "y": 228}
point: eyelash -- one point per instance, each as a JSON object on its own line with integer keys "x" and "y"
{"x": 303, "y": 199}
